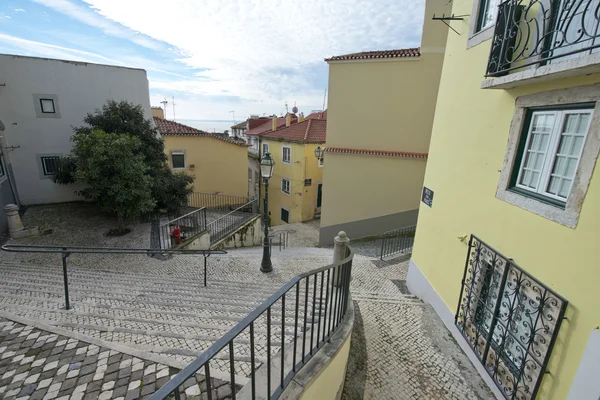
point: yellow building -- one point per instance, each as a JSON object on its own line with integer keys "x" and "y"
{"x": 295, "y": 189}
{"x": 219, "y": 164}
{"x": 507, "y": 238}
{"x": 381, "y": 107}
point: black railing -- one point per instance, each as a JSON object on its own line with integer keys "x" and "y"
{"x": 317, "y": 301}
{"x": 510, "y": 319}
{"x": 397, "y": 241}
{"x": 189, "y": 226}
{"x": 282, "y": 239}
{"x": 215, "y": 201}
{"x": 66, "y": 251}
{"x": 230, "y": 222}
{"x": 532, "y": 32}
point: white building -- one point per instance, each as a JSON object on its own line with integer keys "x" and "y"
{"x": 41, "y": 100}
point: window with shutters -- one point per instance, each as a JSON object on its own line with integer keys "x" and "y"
{"x": 286, "y": 155}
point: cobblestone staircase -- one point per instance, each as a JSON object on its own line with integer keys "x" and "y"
{"x": 173, "y": 316}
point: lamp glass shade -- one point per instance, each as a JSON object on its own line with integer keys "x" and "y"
{"x": 319, "y": 152}
{"x": 266, "y": 166}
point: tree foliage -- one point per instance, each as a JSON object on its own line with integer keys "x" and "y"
{"x": 124, "y": 118}
{"x": 115, "y": 172}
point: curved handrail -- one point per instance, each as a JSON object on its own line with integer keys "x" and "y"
{"x": 192, "y": 368}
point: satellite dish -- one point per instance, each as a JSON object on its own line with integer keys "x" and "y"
{"x": 1, "y": 126}
{"x": 295, "y": 110}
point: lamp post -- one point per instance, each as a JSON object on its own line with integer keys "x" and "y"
{"x": 319, "y": 153}
{"x": 266, "y": 170}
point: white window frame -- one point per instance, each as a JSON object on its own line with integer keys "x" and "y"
{"x": 178, "y": 153}
{"x": 44, "y": 169}
{"x": 568, "y": 214}
{"x": 283, "y": 154}
{"x": 560, "y": 117}
{"x": 265, "y": 148}
{"x": 320, "y": 162}
{"x": 289, "y": 185}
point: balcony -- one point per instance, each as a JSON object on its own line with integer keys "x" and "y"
{"x": 542, "y": 40}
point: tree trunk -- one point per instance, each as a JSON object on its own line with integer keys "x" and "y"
{"x": 120, "y": 222}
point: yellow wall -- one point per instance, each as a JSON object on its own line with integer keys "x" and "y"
{"x": 362, "y": 187}
{"x": 218, "y": 166}
{"x": 385, "y": 104}
{"x": 468, "y": 146}
{"x": 301, "y": 201}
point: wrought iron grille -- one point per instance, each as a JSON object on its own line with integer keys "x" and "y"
{"x": 509, "y": 318}
{"x": 532, "y": 32}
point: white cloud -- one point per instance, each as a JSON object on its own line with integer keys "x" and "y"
{"x": 90, "y": 17}
{"x": 18, "y": 10}
{"x": 263, "y": 51}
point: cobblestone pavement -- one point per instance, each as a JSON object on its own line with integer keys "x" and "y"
{"x": 400, "y": 348}
{"x": 37, "y": 364}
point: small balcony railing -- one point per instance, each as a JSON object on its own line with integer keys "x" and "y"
{"x": 536, "y": 32}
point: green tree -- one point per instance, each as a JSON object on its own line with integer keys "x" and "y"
{"x": 116, "y": 173}
{"x": 168, "y": 189}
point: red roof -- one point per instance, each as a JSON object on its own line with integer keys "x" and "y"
{"x": 268, "y": 125}
{"x": 317, "y": 115}
{"x": 370, "y": 55}
{"x": 384, "y": 153}
{"x": 172, "y": 128}
{"x": 307, "y": 131}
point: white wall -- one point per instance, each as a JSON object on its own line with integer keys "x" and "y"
{"x": 78, "y": 88}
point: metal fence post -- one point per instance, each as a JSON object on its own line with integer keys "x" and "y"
{"x": 64, "y": 256}
{"x": 340, "y": 243}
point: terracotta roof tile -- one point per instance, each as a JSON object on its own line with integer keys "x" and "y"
{"x": 370, "y": 55}
{"x": 307, "y": 131}
{"x": 172, "y": 128}
{"x": 268, "y": 125}
{"x": 317, "y": 115}
{"x": 382, "y": 153}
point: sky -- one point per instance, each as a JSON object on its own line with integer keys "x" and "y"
{"x": 214, "y": 56}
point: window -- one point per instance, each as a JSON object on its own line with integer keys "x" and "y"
{"x": 549, "y": 153}
{"x": 47, "y": 106}
{"x": 509, "y": 319}
{"x": 285, "y": 185}
{"x": 285, "y": 215}
{"x": 49, "y": 165}
{"x": 487, "y": 13}
{"x": 178, "y": 160}
{"x": 2, "y": 172}
{"x": 320, "y": 161}
{"x": 265, "y": 148}
{"x": 249, "y": 175}
{"x": 287, "y": 155}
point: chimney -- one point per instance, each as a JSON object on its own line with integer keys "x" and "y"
{"x": 274, "y": 124}
{"x": 288, "y": 119}
{"x": 301, "y": 117}
{"x": 158, "y": 112}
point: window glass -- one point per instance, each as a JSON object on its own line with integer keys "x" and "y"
{"x": 287, "y": 154}
{"x": 178, "y": 160}
{"x": 487, "y": 13}
{"x": 285, "y": 185}
{"x": 47, "y": 106}
{"x": 285, "y": 215}
{"x": 49, "y": 165}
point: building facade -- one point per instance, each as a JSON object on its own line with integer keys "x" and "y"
{"x": 217, "y": 163}
{"x": 296, "y": 187}
{"x": 380, "y": 112}
{"x": 506, "y": 240}
{"x": 41, "y": 100}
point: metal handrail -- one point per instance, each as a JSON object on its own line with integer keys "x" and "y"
{"x": 397, "y": 241}
{"x": 185, "y": 215}
{"x": 66, "y": 251}
{"x": 218, "y": 234}
{"x": 216, "y": 201}
{"x": 342, "y": 278}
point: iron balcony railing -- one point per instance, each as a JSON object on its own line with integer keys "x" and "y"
{"x": 189, "y": 224}
{"x": 509, "y": 318}
{"x": 66, "y": 251}
{"x": 314, "y": 323}
{"x": 397, "y": 241}
{"x": 230, "y": 222}
{"x": 215, "y": 201}
{"x": 530, "y": 32}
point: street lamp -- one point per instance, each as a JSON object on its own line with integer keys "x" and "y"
{"x": 319, "y": 153}
{"x": 266, "y": 170}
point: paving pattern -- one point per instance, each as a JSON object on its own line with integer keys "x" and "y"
{"x": 37, "y": 364}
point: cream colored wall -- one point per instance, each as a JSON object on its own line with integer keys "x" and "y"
{"x": 381, "y": 105}
{"x": 218, "y": 166}
{"x": 362, "y": 187}
{"x": 301, "y": 201}
{"x": 329, "y": 382}
{"x": 467, "y": 150}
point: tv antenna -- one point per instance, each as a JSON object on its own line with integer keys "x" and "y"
{"x": 173, "y": 108}
{"x": 164, "y": 103}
